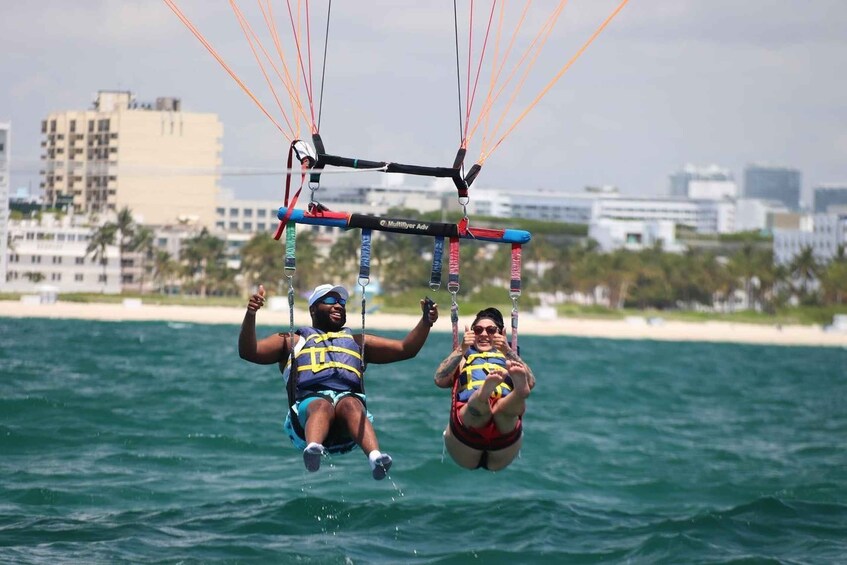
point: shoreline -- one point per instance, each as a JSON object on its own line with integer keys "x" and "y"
{"x": 629, "y": 328}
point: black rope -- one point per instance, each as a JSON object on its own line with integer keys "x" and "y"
{"x": 458, "y": 69}
{"x": 323, "y": 67}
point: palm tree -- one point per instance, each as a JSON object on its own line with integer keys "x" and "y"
{"x": 164, "y": 269}
{"x": 805, "y": 270}
{"x": 262, "y": 260}
{"x": 834, "y": 278}
{"x": 125, "y": 232}
{"x": 102, "y": 238}
{"x": 201, "y": 255}
{"x": 143, "y": 242}
{"x": 343, "y": 256}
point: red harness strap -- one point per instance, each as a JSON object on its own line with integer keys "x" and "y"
{"x": 488, "y": 438}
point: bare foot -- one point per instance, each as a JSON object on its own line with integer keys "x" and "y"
{"x": 520, "y": 377}
{"x": 492, "y": 381}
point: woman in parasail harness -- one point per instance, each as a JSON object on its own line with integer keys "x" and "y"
{"x": 327, "y": 411}
{"x": 490, "y": 386}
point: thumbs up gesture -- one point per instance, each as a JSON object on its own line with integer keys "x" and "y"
{"x": 256, "y": 301}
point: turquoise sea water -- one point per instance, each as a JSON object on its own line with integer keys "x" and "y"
{"x": 155, "y": 443}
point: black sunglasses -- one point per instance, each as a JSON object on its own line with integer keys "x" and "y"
{"x": 491, "y": 330}
{"x": 333, "y": 300}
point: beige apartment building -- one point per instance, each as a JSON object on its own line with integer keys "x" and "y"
{"x": 160, "y": 162}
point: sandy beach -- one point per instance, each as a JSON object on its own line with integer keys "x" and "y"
{"x": 630, "y": 328}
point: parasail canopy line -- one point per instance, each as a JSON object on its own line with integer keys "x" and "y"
{"x": 322, "y": 217}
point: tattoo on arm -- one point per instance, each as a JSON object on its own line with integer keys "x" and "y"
{"x": 448, "y": 366}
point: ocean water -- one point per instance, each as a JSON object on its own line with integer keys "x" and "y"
{"x": 155, "y": 443}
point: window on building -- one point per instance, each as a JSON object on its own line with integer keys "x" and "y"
{"x": 219, "y": 211}
{"x": 248, "y": 213}
{"x": 248, "y": 226}
{"x": 78, "y": 277}
{"x": 262, "y": 213}
{"x": 101, "y": 278}
{"x": 233, "y": 211}
{"x": 261, "y": 227}
{"x": 57, "y": 260}
{"x": 79, "y": 260}
{"x": 233, "y": 225}
{"x": 220, "y": 225}
{"x": 56, "y": 277}
{"x": 36, "y": 259}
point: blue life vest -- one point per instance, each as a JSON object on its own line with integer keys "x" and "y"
{"x": 477, "y": 366}
{"x": 326, "y": 361}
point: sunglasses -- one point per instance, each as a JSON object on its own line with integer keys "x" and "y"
{"x": 333, "y": 300}
{"x": 491, "y": 330}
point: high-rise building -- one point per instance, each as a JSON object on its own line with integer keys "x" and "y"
{"x": 703, "y": 183}
{"x": 773, "y": 183}
{"x": 158, "y": 161}
{"x": 830, "y": 198}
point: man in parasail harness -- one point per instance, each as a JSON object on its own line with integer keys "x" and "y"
{"x": 490, "y": 386}
{"x": 324, "y": 373}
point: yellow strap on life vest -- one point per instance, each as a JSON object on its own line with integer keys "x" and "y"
{"x": 330, "y": 349}
{"x": 469, "y": 369}
{"x": 318, "y": 338}
{"x": 317, "y": 367}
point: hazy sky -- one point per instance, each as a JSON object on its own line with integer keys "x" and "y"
{"x": 669, "y": 82}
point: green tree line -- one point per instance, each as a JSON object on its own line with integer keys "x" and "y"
{"x": 564, "y": 262}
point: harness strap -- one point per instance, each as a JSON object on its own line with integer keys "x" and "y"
{"x": 453, "y": 287}
{"x": 437, "y": 263}
{"x": 284, "y": 220}
{"x": 364, "y": 279}
{"x": 515, "y": 292}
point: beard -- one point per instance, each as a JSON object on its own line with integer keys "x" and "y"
{"x": 321, "y": 320}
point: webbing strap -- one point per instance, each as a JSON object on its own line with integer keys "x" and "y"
{"x": 364, "y": 279}
{"x": 453, "y": 287}
{"x": 437, "y": 263}
{"x": 515, "y": 291}
{"x": 290, "y": 207}
{"x": 288, "y": 270}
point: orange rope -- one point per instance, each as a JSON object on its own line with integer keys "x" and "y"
{"x": 532, "y": 52}
{"x": 290, "y": 87}
{"x": 302, "y": 69}
{"x": 172, "y": 5}
{"x": 553, "y": 81}
{"x": 472, "y": 95}
{"x": 248, "y": 31}
{"x": 490, "y": 100}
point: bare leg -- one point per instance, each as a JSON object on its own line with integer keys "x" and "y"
{"x": 507, "y": 409}
{"x": 321, "y": 415}
{"x": 351, "y": 411}
{"x": 463, "y": 455}
{"x": 477, "y": 412}
{"x": 320, "y": 418}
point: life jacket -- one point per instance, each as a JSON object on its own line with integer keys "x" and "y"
{"x": 477, "y": 366}
{"x": 322, "y": 360}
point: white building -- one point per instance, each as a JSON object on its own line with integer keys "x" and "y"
{"x": 753, "y": 214}
{"x": 634, "y": 235}
{"x": 822, "y": 233}
{"x": 704, "y": 216}
{"x": 703, "y": 183}
{"x": 53, "y": 251}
